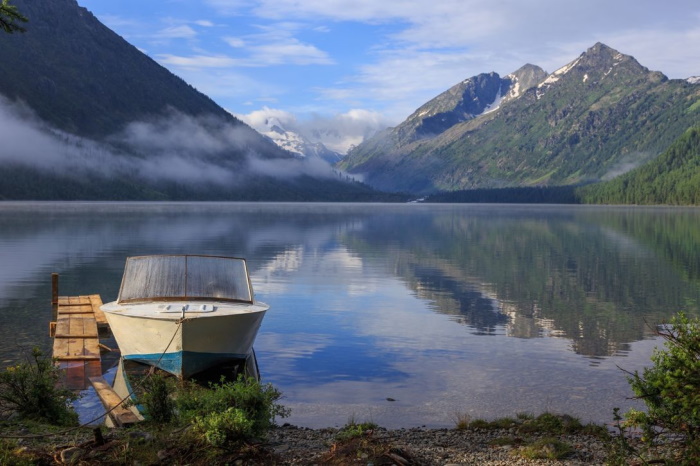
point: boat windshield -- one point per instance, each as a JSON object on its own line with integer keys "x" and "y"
{"x": 148, "y": 278}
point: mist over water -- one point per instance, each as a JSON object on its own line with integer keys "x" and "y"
{"x": 446, "y": 309}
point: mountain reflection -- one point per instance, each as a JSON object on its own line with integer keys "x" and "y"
{"x": 597, "y": 277}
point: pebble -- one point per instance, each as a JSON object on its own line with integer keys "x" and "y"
{"x": 297, "y": 446}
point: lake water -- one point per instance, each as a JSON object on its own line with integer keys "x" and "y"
{"x": 404, "y": 315}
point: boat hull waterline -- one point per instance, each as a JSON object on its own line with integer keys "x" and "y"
{"x": 185, "y": 345}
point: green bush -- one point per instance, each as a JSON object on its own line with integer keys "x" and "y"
{"x": 547, "y": 448}
{"x": 226, "y": 428}
{"x": 157, "y": 398}
{"x": 354, "y": 429}
{"x": 231, "y": 412}
{"x": 32, "y": 390}
{"x": 670, "y": 388}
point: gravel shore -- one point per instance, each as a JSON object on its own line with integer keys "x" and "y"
{"x": 301, "y": 446}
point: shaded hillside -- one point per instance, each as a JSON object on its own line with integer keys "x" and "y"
{"x": 673, "y": 178}
{"x": 85, "y": 115}
{"x": 81, "y": 77}
{"x": 594, "y": 118}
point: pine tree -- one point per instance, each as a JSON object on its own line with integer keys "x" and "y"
{"x": 9, "y": 16}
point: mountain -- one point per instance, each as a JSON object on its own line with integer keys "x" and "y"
{"x": 596, "y": 117}
{"x": 672, "y": 178}
{"x": 86, "y": 115}
{"x": 296, "y": 143}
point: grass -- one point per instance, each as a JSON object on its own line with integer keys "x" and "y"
{"x": 529, "y": 430}
{"x": 548, "y": 448}
{"x": 525, "y": 423}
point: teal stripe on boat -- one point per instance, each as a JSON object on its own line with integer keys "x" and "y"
{"x": 184, "y": 363}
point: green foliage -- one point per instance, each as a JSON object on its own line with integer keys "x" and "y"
{"x": 524, "y": 423}
{"x": 231, "y": 412}
{"x": 226, "y": 428}
{"x": 673, "y": 178}
{"x": 9, "y": 16}
{"x": 670, "y": 388}
{"x": 353, "y": 430}
{"x": 32, "y": 390}
{"x": 547, "y": 448}
{"x": 157, "y": 398}
{"x": 12, "y": 455}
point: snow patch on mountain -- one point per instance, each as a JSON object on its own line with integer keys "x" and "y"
{"x": 496, "y": 102}
{"x": 694, "y": 80}
{"x": 292, "y": 140}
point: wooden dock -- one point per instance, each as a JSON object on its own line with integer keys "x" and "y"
{"x": 76, "y": 327}
{"x": 76, "y": 345}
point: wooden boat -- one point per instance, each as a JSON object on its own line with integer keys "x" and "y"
{"x": 185, "y": 313}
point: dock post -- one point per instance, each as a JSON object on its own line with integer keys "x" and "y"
{"x": 54, "y": 296}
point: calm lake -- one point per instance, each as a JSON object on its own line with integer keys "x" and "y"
{"x": 404, "y": 315}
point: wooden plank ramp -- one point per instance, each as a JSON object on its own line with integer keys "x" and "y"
{"x": 120, "y": 416}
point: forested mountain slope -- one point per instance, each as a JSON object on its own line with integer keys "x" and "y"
{"x": 673, "y": 178}
{"x": 592, "y": 119}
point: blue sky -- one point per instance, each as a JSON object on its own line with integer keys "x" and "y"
{"x": 353, "y": 65}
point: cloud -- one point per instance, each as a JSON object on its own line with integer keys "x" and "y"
{"x": 338, "y": 132}
{"x": 393, "y": 56}
{"x": 177, "y": 32}
{"x": 170, "y": 147}
{"x": 197, "y": 61}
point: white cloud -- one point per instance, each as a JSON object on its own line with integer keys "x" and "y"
{"x": 235, "y": 42}
{"x": 290, "y": 51}
{"x": 395, "y": 55}
{"x": 177, "y": 32}
{"x": 338, "y": 132}
{"x": 197, "y": 61}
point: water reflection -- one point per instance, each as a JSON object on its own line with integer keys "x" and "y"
{"x": 442, "y": 308}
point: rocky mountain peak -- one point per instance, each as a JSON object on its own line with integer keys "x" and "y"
{"x": 524, "y": 78}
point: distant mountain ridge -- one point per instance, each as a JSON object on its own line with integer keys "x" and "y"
{"x": 296, "y": 143}
{"x": 598, "y": 115}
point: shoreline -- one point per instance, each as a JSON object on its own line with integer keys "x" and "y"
{"x": 289, "y": 444}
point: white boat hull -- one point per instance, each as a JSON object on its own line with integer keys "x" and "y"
{"x": 185, "y": 346}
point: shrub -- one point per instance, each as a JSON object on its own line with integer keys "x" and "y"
{"x": 32, "y": 390}
{"x": 547, "y": 448}
{"x": 225, "y": 429}
{"x": 157, "y": 398}
{"x": 231, "y": 412}
{"x": 670, "y": 388}
{"x": 354, "y": 429}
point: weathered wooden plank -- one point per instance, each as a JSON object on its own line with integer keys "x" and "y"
{"x": 96, "y": 302}
{"x": 63, "y": 325}
{"x": 73, "y": 300}
{"x": 75, "y": 309}
{"x": 75, "y": 326}
{"x": 118, "y": 413}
